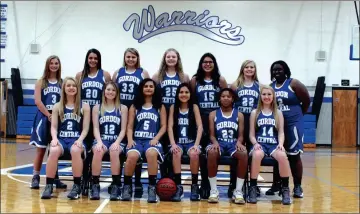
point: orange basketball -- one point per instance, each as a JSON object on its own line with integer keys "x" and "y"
{"x": 165, "y": 189}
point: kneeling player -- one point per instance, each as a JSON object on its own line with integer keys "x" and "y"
{"x": 267, "y": 137}
{"x": 226, "y": 126}
{"x": 184, "y": 120}
{"x": 109, "y": 122}
{"x": 147, "y": 124}
{"x": 67, "y": 136}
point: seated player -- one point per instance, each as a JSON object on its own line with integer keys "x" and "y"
{"x": 267, "y": 137}
{"x": 184, "y": 120}
{"x": 109, "y": 122}
{"x": 146, "y": 125}
{"x": 69, "y": 127}
{"x": 226, "y": 126}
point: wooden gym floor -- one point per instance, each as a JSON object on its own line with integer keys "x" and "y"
{"x": 330, "y": 184}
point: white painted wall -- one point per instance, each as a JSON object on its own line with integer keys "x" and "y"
{"x": 280, "y": 30}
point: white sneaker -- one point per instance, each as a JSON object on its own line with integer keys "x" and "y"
{"x": 238, "y": 197}
{"x": 214, "y": 196}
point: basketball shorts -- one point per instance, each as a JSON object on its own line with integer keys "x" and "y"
{"x": 107, "y": 145}
{"x": 142, "y": 146}
{"x": 226, "y": 148}
{"x": 66, "y": 144}
{"x": 40, "y": 132}
{"x": 268, "y": 149}
{"x": 294, "y": 136}
{"x": 185, "y": 147}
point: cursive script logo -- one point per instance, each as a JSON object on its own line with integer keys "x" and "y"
{"x": 210, "y": 27}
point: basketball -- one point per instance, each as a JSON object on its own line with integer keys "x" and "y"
{"x": 165, "y": 189}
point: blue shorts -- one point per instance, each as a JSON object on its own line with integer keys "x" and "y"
{"x": 108, "y": 144}
{"x": 268, "y": 149}
{"x": 40, "y": 132}
{"x": 294, "y": 136}
{"x": 66, "y": 144}
{"x": 226, "y": 149}
{"x": 143, "y": 145}
{"x": 185, "y": 147}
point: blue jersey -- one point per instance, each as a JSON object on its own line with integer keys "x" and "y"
{"x": 71, "y": 126}
{"x": 92, "y": 87}
{"x": 288, "y": 102}
{"x": 207, "y": 96}
{"x": 226, "y": 127}
{"x": 147, "y": 123}
{"x": 248, "y": 98}
{"x": 110, "y": 125}
{"x": 169, "y": 86}
{"x": 128, "y": 82}
{"x": 51, "y": 94}
{"x": 265, "y": 130}
{"x": 183, "y": 128}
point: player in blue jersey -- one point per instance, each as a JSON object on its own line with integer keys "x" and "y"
{"x": 91, "y": 82}
{"x": 129, "y": 76}
{"x": 169, "y": 76}
{"x": 267, "y": 137}
{"x": 69, "y": 127}
{"x": 146, "y": 125}
{"x": 246, "y": 87}
{"x": 109, "y": 121}
{"x": 205, "y": 85}
{"x": 128, "y": 79}
{"x": 47, "y": 93}
{"x": 226, "y": 126}
{"x": 185, "y": 131}
{"x": 293, "y": 100}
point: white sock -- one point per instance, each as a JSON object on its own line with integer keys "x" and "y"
{"x": 213, "y": 183}
{"x": 239, "y": 183}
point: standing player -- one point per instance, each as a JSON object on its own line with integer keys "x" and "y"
{"x": 91, "y": 82}
{"x": 128, "y": 79}
{"x": 47, "y": 93}
{"x": 293, "y": 100}
{"x": 226, "y": 126}
{"x": 247, "y": 90}
{"x": 146, "y": 126}
{"x": 206, "y": 85}
{"x": 267, "y": 137}
{"x": 168, "y": 78}
{"x": 69, "y": 127}
{"x": 109, "y": 121}
{"x": 184, "y": 120}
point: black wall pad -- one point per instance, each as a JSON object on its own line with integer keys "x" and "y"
{"x": 318, "y": 97}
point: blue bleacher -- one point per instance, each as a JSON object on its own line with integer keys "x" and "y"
{"x": 25, "y": 118}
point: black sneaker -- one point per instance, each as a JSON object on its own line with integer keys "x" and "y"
{"x": 298, "y": 192}
{"x": 75, "y": 192}
{"x": 59, "y": 184}
{"x": 115, "y": 193}
{"x": 138, "y": 191}
{"x": 47, "y": 192}
{"x": 195, "y": 193}
{"x": 110, "y": 187}
{"x": 152, "y": 198}
{"x": 179, "y": 193}
{"x": 35, "y": 182}
{"x": 285, "y": 193}
{"x": 275, "y": 188}
{"x": 230, "y": 191}
{"x": 126, "y": 193}
{"x": 85, "y": 187}
{"x": 95, "y": 192}
{"x": 252, "y": 195}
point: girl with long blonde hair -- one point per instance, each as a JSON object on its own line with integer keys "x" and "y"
{"x": 47, "y": 93}
{"x": 69, "y": 127}
{"x": 109, "y": 121}
{"x": 267, "y": 138}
